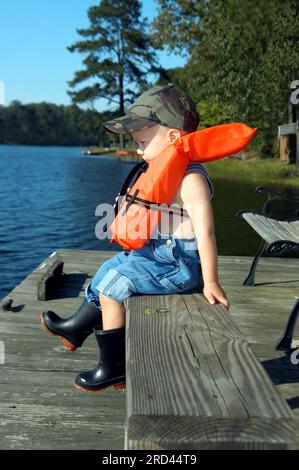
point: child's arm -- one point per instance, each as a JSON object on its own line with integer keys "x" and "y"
{"x": 196, "y": 196}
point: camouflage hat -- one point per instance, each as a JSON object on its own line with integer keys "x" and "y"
{"x": 165, "y": 105}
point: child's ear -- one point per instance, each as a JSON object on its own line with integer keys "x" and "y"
{"x": 173, "y": 135}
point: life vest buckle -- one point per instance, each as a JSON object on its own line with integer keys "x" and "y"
{"x": 132, "y": 199}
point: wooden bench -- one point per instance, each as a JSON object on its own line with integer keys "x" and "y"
{"x": 193, "y": 381}
{"x": 279, "y": 237}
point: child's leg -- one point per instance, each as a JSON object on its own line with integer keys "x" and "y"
{"x": 111, "y": 369}
{"x": 113, "y": 313}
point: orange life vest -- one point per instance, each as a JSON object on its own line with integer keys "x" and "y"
{"x": 142, "y": 206}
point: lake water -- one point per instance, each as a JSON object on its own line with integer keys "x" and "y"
{"x": 48, "y": 197}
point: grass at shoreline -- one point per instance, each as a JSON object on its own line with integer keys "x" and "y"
{"x": 256, "y": 170}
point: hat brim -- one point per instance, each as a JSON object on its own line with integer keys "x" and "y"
{"x": 129, "y": 124}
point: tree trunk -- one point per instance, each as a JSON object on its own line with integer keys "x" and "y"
{"x": 121, "y": 106}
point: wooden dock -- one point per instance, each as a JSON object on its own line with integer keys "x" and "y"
{"x": 99, "y": 150}
{"x": 39, "y": 407}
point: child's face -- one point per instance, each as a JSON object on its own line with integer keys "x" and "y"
{"x": 152, "y": 141}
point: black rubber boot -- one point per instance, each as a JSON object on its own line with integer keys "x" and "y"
{"x": 74, "y": 330}
{"x": 111, "y": 369}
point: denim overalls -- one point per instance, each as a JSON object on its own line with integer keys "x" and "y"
{"x": 165, "y": 265}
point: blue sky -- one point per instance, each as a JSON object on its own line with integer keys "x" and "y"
{"x": 35, "y": 64}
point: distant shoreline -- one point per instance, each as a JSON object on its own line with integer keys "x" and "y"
{"x": 261, "y": 171}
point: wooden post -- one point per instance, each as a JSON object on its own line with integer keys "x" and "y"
{"x": 47, "y": 274}
{"x": 284, "y": 147}
{"x": 284, "y": 133}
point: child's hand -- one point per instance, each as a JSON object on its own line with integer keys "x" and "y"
{"x": 214, "y": 292}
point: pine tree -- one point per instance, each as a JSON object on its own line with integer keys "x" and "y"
{"x": 119, "y": 55}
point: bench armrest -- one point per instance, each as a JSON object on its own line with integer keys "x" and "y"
{"x": 289, "y": 206}
{"x": 286, "y": 203}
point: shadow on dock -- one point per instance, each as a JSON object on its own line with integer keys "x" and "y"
{"x": 68, "y": 286}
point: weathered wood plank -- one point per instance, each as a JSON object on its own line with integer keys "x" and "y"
{"x": 190, "y": 433}
{"x": 196, "y": 366}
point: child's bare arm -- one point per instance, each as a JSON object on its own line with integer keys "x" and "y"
{"x": 195, "y": 193}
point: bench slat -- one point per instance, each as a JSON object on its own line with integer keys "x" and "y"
{"x": 270, "y": 229}
{"x": 193, "y": 382}
{"x": 276, "y": 228}
{"x": 260, "y": 227}
{"x": 282, "y": 231}
{"x": 291, "y": 228}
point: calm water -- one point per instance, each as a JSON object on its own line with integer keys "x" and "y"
{"x": 48, "y": 197}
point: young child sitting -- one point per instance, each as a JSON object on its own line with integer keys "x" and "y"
{"x": 183, "y": 259}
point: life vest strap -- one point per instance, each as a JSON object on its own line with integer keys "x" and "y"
{"x": 133, "y": 199}
{"x": 135, "y": 171}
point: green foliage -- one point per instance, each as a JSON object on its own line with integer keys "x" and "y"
{"x": 213, "y": 114}
{"x": 49, "y": 124}
{"x": 118, "y": 54}
{"x": 240, "y": 54}
{"x": 177, "y": 25}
